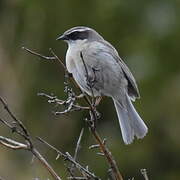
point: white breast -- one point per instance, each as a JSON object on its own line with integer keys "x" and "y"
{"x": 73, "y": 60}
{"x": 70, "y": 64}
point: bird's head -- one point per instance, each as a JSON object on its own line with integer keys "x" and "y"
{"x": 79, "y": 34}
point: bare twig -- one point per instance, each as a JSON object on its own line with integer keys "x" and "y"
{"x": 12, "y": 144}
{"x": 72, "y": 167}
{"x": 45, "y": 164}
{"x": 39, "y": 55}
{"x": 111, "y": 175}
{"x": 78, "y": 178}
{"x": 17, "y": 121}
{"x": 28, "y": 145}
{"x": 78, "y": 144}
{"x": 107, "y": 154}
{"x": 144, "y": 173}
{"x": 68, "y": 157}
{"x": 96, "y": 145}
{"x": 69, "y": 102}
{"x": 56, "y": 57}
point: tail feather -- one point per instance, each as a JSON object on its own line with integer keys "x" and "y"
{"x": 130, "y": 122}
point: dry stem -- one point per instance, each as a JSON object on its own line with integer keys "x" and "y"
{"x": 20, "y": 129}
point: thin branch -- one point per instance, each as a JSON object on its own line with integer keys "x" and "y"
{"x": 28, "y": 145}
{"x": 67, "y": 156}
{"x": 105, "y": 150}
{"x": 43, "y": 161}
{"x": 78, "y": 144}
{"x": 111, "y": 174}
{"x": 9, "y": 143}
{"x": 78, "y": 178}
{"x": 144, "y": 173}
{"x": 13, "y": 128}
{"x": 12, "y": 144}
{"x": 94, "y": 146}
{"x": 97, "y": 145}
{"x": 70, "y": 101}
{"x": 39, "y": 55}
{"x": 56, "y": 57}
{"x": 72, "y": 167}
{"x": 108, "y": 155}
{"x": 71, "y": 159}
{"x": 21, "y": 125}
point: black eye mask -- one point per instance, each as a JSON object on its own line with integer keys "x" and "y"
{"x": 78, "y": 35}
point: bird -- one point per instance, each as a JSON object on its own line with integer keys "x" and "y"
{"x": 102, "y": 72}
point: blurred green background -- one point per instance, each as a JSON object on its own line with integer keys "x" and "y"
{"x": 146, "y": 35}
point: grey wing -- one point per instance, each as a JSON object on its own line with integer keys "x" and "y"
{"x": 92, "y": 70}
{"x": 88, "y": 74}
{"x": 133, "y": 91}
{"x": 102, "y": 65}
{"x": 104, "y": 74}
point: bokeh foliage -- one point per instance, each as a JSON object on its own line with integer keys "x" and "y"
{"x": 146, "y": 35}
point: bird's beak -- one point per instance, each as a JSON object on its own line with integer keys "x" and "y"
{"x": 62, "y": 37}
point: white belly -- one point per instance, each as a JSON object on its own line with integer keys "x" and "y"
{"x": 75, "y": 65}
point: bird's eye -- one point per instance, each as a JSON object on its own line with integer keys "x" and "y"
{"x": 74, "y": 35}
{"x": 78, "y": 35}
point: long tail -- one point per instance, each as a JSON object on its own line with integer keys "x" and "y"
{"x": 130, "y": 122}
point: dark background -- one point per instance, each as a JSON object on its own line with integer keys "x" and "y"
{"x": 146, "y": 35}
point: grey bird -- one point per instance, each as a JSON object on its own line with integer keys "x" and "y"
{"x": 104, "y": 74}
